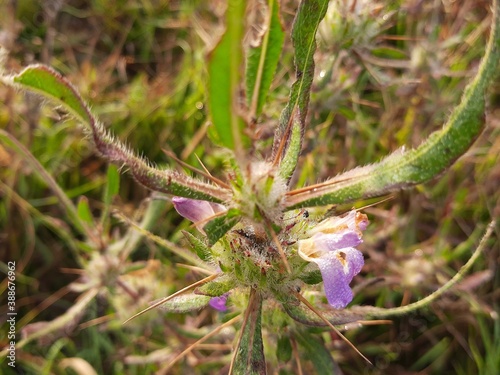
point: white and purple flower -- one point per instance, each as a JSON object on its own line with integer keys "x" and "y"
{"x": 332, "y": 247}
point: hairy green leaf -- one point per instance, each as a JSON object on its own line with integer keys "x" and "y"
{"x": 407, "y": 168}
{"x": 185, "y": 303}
{"x": 49, "y": 83}
{"x": 250, "y": 358}
{"x": 202, "y": 250}
{"x": 292, "y": 120}
{"x": 217, "y": 287}
{"x": 219, "y": 226}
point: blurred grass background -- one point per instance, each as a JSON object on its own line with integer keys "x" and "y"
{"x": 388, "y": 73}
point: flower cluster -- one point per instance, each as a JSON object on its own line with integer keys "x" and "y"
{"x": 330, "y": 244}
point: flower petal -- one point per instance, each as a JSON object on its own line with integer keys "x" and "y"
{"x": 321, "y": 244}
{"x": 337, "y": 241}
{"x": 338, "y": 269}
{"x": 353, "y": 220}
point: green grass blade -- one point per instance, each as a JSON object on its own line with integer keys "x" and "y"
{"x": 112, "y": 184}
{"x": 307, "y": 19}
{"x": 408, "y": 168}
{"x": 84, "y": 212}
{"x": 224, "y": 78}
{"x": 50, "y": 84}
{"x": 66, "y": 203}
{"x": 112, "y": 188}
{"x": 263, "y": 60}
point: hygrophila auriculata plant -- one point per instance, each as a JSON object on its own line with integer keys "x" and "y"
{"x": 261, "y": 238}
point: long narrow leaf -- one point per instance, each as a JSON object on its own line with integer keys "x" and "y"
{"x": 47, "y": 82}
{"x": 250, "y": 358}
{"x": 224, "y": 78}
{"x": 408, "y": 168}
{"x": 307, "y": 19}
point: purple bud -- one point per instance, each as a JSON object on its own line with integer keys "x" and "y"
{"x": 198, "y": 211}
{"x": 219, "y": 303}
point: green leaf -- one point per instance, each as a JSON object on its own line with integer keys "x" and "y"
{"x": 288, "y": 137}
{"x": 202, "y": 250}
{"x": 84, "y": 212}
{"x": 407, "y": 168}
{"x": 46, "y": 81}
{"x": 185, "y": 303}
{"x": 263, "y": 60}
{"x": 49, "y": 83}
{"x": 217, "y": 287}
{"x": 219, "y": 226}
{"x": 225, "y": 76}
{"x": 250, "y": 358}
{"x": 316, "y": 352}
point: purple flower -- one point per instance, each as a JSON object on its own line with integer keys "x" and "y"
{"x": 219, "y": 303}
{"x": 199, "y": 212}
{"x": 331, "y": 247}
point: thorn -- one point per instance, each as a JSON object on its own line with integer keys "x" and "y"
{"x": 321, "y": 185}
{"x": 280, "y": 250}
{"x": 284, "y": 139}
{"x": 205, "y": 173}
{"x": 163, "y": 300}
{"x": 276, "y": 242}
